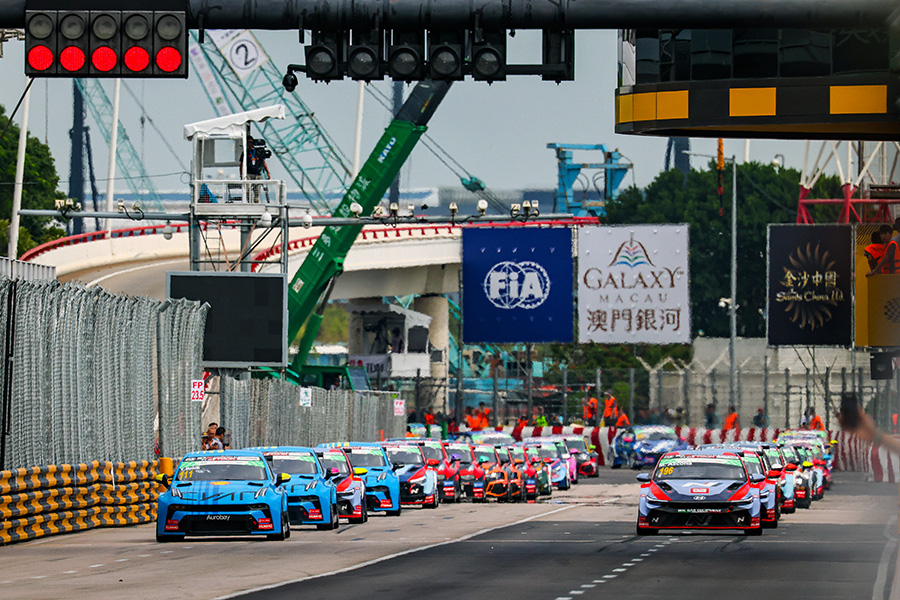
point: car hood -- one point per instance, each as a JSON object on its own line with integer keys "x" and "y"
{"x": 407, "y": 471}
{"x": 220, "y": 492}
{"x": 656, "y": 446}
{"x": 699, "y": 489}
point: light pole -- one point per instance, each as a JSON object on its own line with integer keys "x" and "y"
{"x": 732, "y": 304}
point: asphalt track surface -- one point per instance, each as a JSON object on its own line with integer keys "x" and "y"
{"x": 580, "y": 545}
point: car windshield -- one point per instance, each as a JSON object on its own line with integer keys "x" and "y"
{"x": 548, "y": 451}
{"x": 789, "y": 454}
{"x": 656, "y": 435}
{"x": 485, "y": 454}
{"x": 517, "y": 453}
{"x": 503, "y": 455}
{"x": 366, "y": 457}
{"x": 576, "y": 445}
{"x": 432, "y": 452}
{"x": 700, "y": 468}
{"x": 222, "y": 468}
{"x": 405, "y": 456}
{"x": 773, "y": 455}
{"x": 295, "y": 463}
{"x": 335, "y": 460}
{"x": 752, "y": 463}
{"x": 465, "y": 453}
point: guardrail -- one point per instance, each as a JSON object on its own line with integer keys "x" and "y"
{"x": 410, "y": 231}
{"x": 94, "y": 236}
{"x": 55, "y": 499}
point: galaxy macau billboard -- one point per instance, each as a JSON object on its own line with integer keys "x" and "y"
{"x": 633, "y": 285}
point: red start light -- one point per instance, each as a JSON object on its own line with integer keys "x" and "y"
{"x": 168, "y": 59}
{"x": 40, "y": 58}
{"x": 104, "y": 58}
{"x": 71, "y": 58}
{"x": 137, "y": 59}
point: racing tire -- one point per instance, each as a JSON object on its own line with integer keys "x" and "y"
{"x": 335, "y": 521}
{"x": 632, "y": 464}
{"x": 393, "y": 513}
{"x": 285, "y": 531}
{"x": 612, "y": 465}
{"x": 753, "y": 531}
{"x": 361, "y": 519}
{"x": 638, "y": 530}
{"x": 434, "y": 503}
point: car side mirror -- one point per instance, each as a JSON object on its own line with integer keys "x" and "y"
{"x": 332, "y": 472}
{"x": 776, "y": 466}
{"x": 592, "y": 448}
{"x": 548, "y": 460}
{"x": 163, "y": 479}
{"x": 360, "y": 470}
{"x": 519, "y": 461}
{"x": 757, "y": 478}
{"x": 790, "y": 467}
{"x": 774, "y": 473}
{"x": 282, "y": 478}
{"x": 455, "y": 457}
{"x": 643, "y": 477}
{"x": 433, "y": 462}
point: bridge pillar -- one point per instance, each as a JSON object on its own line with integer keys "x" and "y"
{"x": 437, "y": 307}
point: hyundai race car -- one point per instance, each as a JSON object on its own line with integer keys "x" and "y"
{"x": 538, "y": 469}
{"x": 471, "y": 475}
{"x": 351, "y": 488}
{"x": 642, "y": 445}
{"x": 699, "y": 490}
{"x": 756, "y": 462}
{"x": 418, "y": 481}
{"x": 221, "y": 493}
{"x": 312, "y": 495}
{"x": 585, "y": 458}
{"x": 382, "y": 484}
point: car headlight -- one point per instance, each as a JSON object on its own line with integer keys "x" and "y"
{"x": 467, "y": 477}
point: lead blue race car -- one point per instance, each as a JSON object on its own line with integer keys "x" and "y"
{"x": 312, "y": 493}
{"x": 642, "y": 445}
{"x": 223, "y": 493}
{"x": 700, "y": 489}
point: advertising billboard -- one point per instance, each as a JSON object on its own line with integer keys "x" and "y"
{"x": 517, "y": 285}
{"x": 633, "y": 285}
{"x": 810, "y": 285}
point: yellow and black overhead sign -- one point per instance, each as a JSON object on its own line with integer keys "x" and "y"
{"x": 847, "y": 107}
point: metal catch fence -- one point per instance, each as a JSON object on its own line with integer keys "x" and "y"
{"x": 271, "y": 412}
{"x": 86, "y": 374}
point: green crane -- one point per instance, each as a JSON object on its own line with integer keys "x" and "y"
{"x": 311, "y": 286}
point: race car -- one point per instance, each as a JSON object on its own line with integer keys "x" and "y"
{"x": 219, "y": 493}
{"x": 471, "y": 475}
{"x": 351, "y": 488}
{"x": 585, "y": 458}
{"x": 642, "y": 445}
{"x": 778, "y": 462}
{"x": 312, "y": 495}
{"x": 524, "y": 472}
{"x": 552, "y": 457}
{"x": 697, "y": 489}
{"x": 418, "y": 481}
{"x": 564, "y": 455}
{"x": 505, "y": 480}
{"x": 382, "y": 484}
{"x": 446, "y": 467}
{"x": 539, "y": 469}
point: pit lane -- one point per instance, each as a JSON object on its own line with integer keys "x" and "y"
{"x": 573, "y": 546}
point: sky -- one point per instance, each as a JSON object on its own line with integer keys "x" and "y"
{"x": 498, "y": 132}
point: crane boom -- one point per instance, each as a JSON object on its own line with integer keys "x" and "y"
{"x": 311, "y": 284}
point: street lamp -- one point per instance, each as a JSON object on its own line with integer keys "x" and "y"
{"x": 778, "y": 161}
{"x": 732, "y": 306}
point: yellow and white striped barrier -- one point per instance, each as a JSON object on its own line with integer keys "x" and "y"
{"x": 54, "y": 499}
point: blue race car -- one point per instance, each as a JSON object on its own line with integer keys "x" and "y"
{"x": 642, "y": 445}
{"x": 755, "y": 460}
{"x": 312, "y": 494}
{"x": 699, "y": 489}
{"x": 231, "y": 492}
{"x": 382, "y": 484}
{"x": 552, "y": 457}
{"x": 418, "y": 481}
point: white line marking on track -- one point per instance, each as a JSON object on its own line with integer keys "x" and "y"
{"x": 650, "y": 550}
{"x": 131, "y": 270}
{"x": 167, "y": 552}
{"x": 645, "y": 555}
{"x": 144, "y": 555}
{"x": 387, "y": 557}
{"x": 637, "y": 560}
{"x": 95, "y": 566}
{"x": 7, "y": 581}
{"x": 631, "y": 564}
{"x": 39, "y": 577}
{"x": 588, "y": 585}
{"x": 599, "y": 581}
{"x": 121, "y": 560}
{"x": 619, "y": 570}
{"x": 889, "y": 548}
{"x": 564, "y": 598}
{"x": 69, "y": 572}
{"x": 576, "y": 592}
{"x": 610, "y": 576}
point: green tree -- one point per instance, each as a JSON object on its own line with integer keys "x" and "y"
{"x": 39, "y": 191}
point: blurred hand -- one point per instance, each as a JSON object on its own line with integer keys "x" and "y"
{"x": 865, "y": 430}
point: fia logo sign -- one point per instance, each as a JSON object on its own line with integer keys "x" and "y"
{"x": 511, "y": 285}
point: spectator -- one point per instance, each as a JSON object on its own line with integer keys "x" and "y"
{"x": 710, "y": 418}
{"x": 610, "y": 408}
{"x": 218, "y": 440}
{"x": 732, "y": 421}
{"x": 815, "y": 421}
{"x": 539, "y": 419}
{"x": 622, "y": 421}
{"x": 760, "y": 419}
{"x": 208, "y": 436}
{"x": 678, "y": 419}
{"x": 589, "y": 411}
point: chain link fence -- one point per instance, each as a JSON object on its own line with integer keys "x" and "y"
{"x": 85, "y": 374}
{"x": 272, "y": 412}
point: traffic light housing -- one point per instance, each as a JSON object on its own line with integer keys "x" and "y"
{"x": 106, "y": 43}
{"x": 325, "y": 56}
{"x": 406, "y": 56}
{"x": 446, "y": 55}
{"x": 489, "y": 57}
{"x": 366, "y": 56}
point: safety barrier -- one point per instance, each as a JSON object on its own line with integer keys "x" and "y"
{"x": 54, "y": 499}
